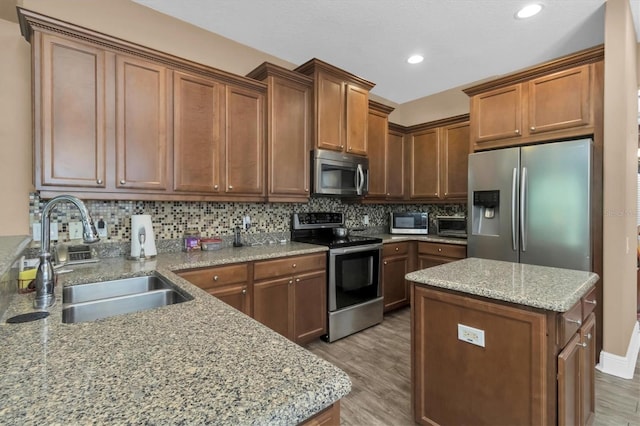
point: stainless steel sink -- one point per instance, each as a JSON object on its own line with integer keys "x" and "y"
{"x": 89, "y": 302}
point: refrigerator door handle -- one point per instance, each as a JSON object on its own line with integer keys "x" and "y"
{"x": 514, "y": 193}
{"x": 523, "y": 194}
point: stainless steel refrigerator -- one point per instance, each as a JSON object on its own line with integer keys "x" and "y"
{"x": 532, "y": 204}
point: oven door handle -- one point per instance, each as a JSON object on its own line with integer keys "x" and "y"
{"x": 355, "y": 249}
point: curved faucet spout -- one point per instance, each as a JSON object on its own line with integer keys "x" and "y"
{"x": 45, "y": 276}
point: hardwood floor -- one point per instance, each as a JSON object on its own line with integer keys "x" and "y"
{"x": 379, "y": 364}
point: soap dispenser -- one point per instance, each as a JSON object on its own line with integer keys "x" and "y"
{"x": 237, "y": 241}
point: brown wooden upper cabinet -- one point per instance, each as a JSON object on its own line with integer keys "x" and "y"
{"x": 535, "y": 105}
{"x": 288, "y": 132}
{"x": 115, "y": 120}
{"x": 395, "y": 166}
{"x": 437, "y": 160}
{"x": 341, "y": 107}
{"x": 378, "y": 141}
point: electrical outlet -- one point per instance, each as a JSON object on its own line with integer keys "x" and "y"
{"x": 102, "y": 228}
{"x": 365, "y": 219}
{"x": 471, "y": 335}
{"x": 246, "y": 222}
{"x": 35, "y": 228}
{"x": 53, "y": 228}
{"x": 75, "y": 230}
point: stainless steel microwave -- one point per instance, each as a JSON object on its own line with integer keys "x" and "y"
{"x": 452, "y": 226}
{"x": 409, "y": 223}
{"x": 338, "y": 174}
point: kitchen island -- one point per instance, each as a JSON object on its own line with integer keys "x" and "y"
{"x": 502, "y": 343}
{"x": 196, "y": 362}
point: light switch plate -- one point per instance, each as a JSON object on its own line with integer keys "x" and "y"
{"x": 53, "y": 228}
{"x": 75, "y": 230}
{"x": 471, "y": 335}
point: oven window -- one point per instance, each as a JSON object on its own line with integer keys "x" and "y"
{"x": 357, "y": 278}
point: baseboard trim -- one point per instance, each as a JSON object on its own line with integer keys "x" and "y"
{"x": 622, "y": 366}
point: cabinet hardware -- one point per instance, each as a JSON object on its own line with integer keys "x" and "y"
{"x": 99, "y": 181}
{"x": 573, "y": 321}
{"x": 244, "y": 291}
{"x": 439, "y": 249}
{"x": 397, "y": 248}
{"x": 588, "y": 336}
{"x": 592, "y": 302}
{"x": 533, "y": 129}
{"x": 290, "y": 281}
{"x": 341, "y": 146}
{"x": 385, "y": 262}
{"x": 230, "y": 186}
{"x": 294, "y": 265}
{"x": 517, "y": 131}
{"x": 215, "y": 186}
{"x": 306, "y": 190}
{"x": 215, "y": 278}
{"x": 584, "y": 344}
{"x": 122, "y": 181}
{"x": 297, "y": 280}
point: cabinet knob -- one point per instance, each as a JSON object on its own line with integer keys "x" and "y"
{"x": 290, "y": 281}
{"x": 388, "y": 195}
{"x": 122, "y": 181}
{"x": 306, "y": 190}
{"x": 297, "y": 280}
{"x": 439, "y": 249}
{"x": 591, "y": 302}
{"x": 294, "y": 265}
{"x": 215, "y": 186}
{"x": 230, "y": 186}
{"x": 99, "y": 181}
{"x": 397, "y": 248}
{"x": 244, "y": 291}
{"x": 517, "y": 131}
{"x": 215, "y": 278}
{"x": 589, "y": 336}
{"x": 533, "y": 129}
{"x": 584, "y": 344}
{"x": 385, "y": 262}
{"x": 341, "y": 146}
{"x": 350, "y": 148}
{"x": 572, "y": 321}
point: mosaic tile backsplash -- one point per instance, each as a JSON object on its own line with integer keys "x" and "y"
{"x": 171, "y": 218}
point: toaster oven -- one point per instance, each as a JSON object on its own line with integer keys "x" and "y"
{"x": 451, "y": 226}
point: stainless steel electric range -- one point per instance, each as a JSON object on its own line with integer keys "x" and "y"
{"x": 354, "y": 290}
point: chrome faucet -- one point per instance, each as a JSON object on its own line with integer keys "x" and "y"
{"x": 45, "y": 276}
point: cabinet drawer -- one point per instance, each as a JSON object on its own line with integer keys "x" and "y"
{"x": 288, "y": 266}
{"x": 568, "y": 324}
{"x": 395, "y": 249}
{"x": 588, "y": 303}
{"x": 216, "y": 277}
{"x": 446, "y": 250}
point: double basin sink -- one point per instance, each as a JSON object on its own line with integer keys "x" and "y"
{"x": 93, "y": 301}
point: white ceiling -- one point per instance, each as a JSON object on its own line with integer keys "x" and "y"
{"x": 463, "y": 41}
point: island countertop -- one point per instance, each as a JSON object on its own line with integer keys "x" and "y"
{"x": 197, "y": 362}
{"x": 543, "y": 287}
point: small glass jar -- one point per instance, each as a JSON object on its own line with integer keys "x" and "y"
{"x": 191, "y": 240}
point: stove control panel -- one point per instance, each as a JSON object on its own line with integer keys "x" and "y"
{"x": 313, "y": 220}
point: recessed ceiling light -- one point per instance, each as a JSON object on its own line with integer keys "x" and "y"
{"x": 415, "y": 59}
{"x": 528, "y": 11}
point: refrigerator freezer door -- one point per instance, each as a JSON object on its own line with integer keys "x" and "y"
{"x": 556, "y": 198}
{"x": 493, "y": 233}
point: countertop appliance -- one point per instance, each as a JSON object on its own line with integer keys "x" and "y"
{"x": 354, "y": 293}
{"x": 409, "y": 223}
{"x": 339, "y": 175}
{"x": 451, "y": 226}
{"x": 532, "y": 204}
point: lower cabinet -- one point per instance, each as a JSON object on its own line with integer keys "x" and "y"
{"x": 228, "y": 283}
{"x": 433, "y": 254}
{"x": 330, "y": 416}
{"x": 396, "y": 263}
{"x": 289, "y": 296}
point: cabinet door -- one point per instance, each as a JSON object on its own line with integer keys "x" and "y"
{"x": 588, "y": 371}
{"x": 235, "y": 296}
{"x": 455, "y": 160}
{"x": 289, "y": 135}
{"x": 69, "y": 113}
{"x": 357, "y": 115}
{"x": 560, "y": 100}
{"x": 395, "y": 287}
{"x": 330, "y": 114}
{"x": 141, "y": 116}
{"x": 377, "y": 143}
{"x": 395, "y": 165}
{"x": 272, "y": 300}
{"x": 497, "y": 114}
{"x": 569, "y": 383}
{"x": 310, "y": 306}
{"x": 198, "y": 114}
{"x": 425, "y": 165}
{"x": 429, "y": 261}
{"x": 244, "y": 142}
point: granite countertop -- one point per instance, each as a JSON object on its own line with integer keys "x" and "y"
{"x": 552, "y": 289}
{"x": 197, "y": 362}
{"x": 395, "y": 238}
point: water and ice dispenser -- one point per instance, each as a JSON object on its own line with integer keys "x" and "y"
{"x": 486, "y": 213}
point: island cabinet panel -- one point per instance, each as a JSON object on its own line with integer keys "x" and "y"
{"x": 289, "y": 296}
{"x": 504, "y": 381}
{"x": 396, "y": 263}
{"x": 69, "y": 113}
{"x": 330, "y": 416}
{"x": 141, "y": 124}
{"x": 245, "y": 152}
{"x": 198, "y": 117}
{"x": 229, "y": 283}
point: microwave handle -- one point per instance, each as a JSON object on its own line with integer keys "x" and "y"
{"x": 359, "y": 179}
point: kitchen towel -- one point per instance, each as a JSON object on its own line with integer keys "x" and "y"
{"x": 142, "y": 221}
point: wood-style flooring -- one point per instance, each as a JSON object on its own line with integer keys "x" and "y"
{"x": 379, "y": 363}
